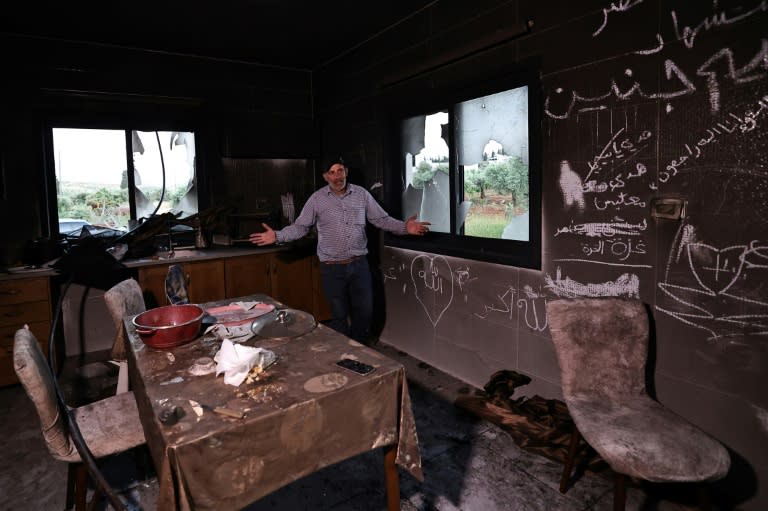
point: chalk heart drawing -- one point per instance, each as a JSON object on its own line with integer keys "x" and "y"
{"x": 715, "y": 269}
{"x": 430, "y": 287}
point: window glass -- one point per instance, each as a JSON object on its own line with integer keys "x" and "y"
{"x": 466, "y": 167}
{"x": 92, "y": 175}
{"x": 491, "y": 138}
{"x": 427, "y": 193}
{"x": 492, "y": 148}
{"x": 91, "y": 182}
{"x": 164, "y": 171}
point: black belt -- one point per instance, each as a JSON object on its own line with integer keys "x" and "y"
{"x": 343, "y": 261}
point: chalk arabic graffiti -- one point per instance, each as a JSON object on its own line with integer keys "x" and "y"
{"x": 604, "y": 229}
{"x": 436, "y": 285}
{"x": 535, "y": 304}
{"x": 619, "y": 151}
{"x": 687, "y": 34}
{"x": 620, "y": 248}
{"x": 614, "y": 153}
{"x": 532, "y": 303}
{"x": 621, "y": 6}
{"x": 504, "y": 304}
{"x": 627, "y": 285}
{"x": 710, "y": 70}
{"x": 713, "y": 65}
{"x": 720, "y": 283}
{"x": 744, "y": 124}
{"x": 635, "y": 90}
{"x": 432, "y": 279}
{"x": 621, "y": 200}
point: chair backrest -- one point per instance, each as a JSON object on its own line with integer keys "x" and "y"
{"x": 123, "y": 299}
{"x": 36, "y": 378}
{"x": 601, "y": 345}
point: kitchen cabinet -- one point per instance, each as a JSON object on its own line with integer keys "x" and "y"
{"x": 289, "y": 281}
{"x": 248, "y": 274}
{"x": 22, "y": 301}
{"x": 322, "y": 311}
{"x": 205, "y": 281}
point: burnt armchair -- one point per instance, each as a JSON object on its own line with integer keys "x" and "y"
{"x": 602, "y": 346}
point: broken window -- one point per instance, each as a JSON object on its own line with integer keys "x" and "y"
{"x": 466, "y": 169}
{"x": 100, "y": 183}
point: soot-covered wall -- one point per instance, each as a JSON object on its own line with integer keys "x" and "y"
{"x": 237, "y": 110}
{"x": 642, "y": 99}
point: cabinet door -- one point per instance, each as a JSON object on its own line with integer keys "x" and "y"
{"x": 321, "y": 309}
{"x": 22, "y": 301}
{"x": 206, "y": 281}
{"x": 292, "y": 282}
{"x": 248, "y": 275}
{"x": 152, "y": 282}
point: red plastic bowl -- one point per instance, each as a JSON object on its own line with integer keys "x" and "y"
{"x": 169, "y": 326}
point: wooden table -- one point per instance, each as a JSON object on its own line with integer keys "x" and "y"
{"x": 302, "y": 414}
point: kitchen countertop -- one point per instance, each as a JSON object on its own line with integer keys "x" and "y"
{"x": 179, "y": 255}
{"x": 199, "y": 254}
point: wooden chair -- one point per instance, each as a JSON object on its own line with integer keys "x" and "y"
{"x": 602, "y": 346}
{"x": 109, "y": 426}
{"x": 123, "y": 299}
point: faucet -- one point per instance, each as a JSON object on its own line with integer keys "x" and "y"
{"x": 171, "y": 253}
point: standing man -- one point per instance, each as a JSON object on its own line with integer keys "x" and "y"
{"x": 340, "y": 211}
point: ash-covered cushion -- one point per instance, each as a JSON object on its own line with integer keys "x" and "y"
{"x": 641, "y": 438}
{"x": 111, "y": 425}
{"x": 36, "y": 378}
{"x": 601, "y": 344}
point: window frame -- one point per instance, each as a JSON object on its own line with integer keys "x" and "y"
{"x": 126, "y": 126}
{"x": 524, "y": 254}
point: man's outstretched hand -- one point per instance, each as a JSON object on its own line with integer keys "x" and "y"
{"x": 263, "y": 238}
{"x": 415, "y": 227}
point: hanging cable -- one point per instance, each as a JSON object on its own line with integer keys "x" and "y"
{"x": 162, "y": 167}
{"x": 74, "y": 430}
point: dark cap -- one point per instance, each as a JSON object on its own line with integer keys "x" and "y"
{"x": 330, "y": 162}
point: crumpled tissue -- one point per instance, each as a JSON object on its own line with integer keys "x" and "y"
{"x": 236, "y": 360}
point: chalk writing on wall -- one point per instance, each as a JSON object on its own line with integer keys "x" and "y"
{"x": 618, "y": 151}
{"x": 681, "y": 32}
{"x": 531, "y": 303}
{"x": 740, "y": 123}
{"x": 716, "y": 295}
{"x": 608, "y": 176}
{"x": 432, "y": 279}
{"x": 438, "y": 286}
{"x": 709, "y": 70}
{"x": 534, "y": 307}
{"x": 687, "y": 34}
{"x": 718, "y": 67}
{"x": 604, "y": 229}
{"x": 621, "y": 6}
{"x": 626, "y": 285}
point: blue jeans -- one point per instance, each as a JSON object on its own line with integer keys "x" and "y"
{"x": 349, "y": 290}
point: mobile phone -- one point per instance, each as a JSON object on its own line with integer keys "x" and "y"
{"x": 356, "y": 366}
